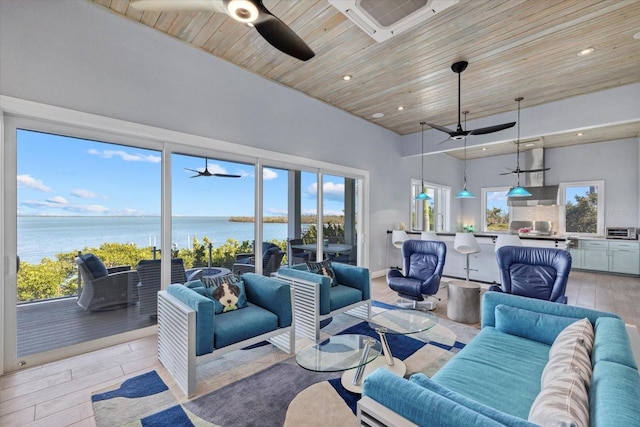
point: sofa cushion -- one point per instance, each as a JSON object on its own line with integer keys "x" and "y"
{"x": 572, "y": 358}
{"x": 493, "y": 366}
{"x": 240, "y": 325}
{"x": 614, "y": 395}
{"x": 342, "y": 296}
{"x": 533, "y": 325}
{"x": 227, "y": 292}
{"x": 563, "y": 402}
{"x": 612, "y": 343}
{"x": 324, "y": 268}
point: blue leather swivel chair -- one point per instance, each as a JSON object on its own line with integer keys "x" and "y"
{"x": 540, "y": 273}
{"x": 423, "y": 262}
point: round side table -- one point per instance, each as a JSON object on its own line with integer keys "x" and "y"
{"x": 463, "y": 303}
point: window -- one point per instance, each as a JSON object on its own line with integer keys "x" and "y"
{"x": 495, "y": 208}
{"x": 582, "y": 207}
{"x": 430, "y": 215}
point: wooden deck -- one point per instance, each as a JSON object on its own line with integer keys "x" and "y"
{"x": 54, "y": 324}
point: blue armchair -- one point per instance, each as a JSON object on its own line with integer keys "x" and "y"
{"x": 540, "y": 273}
{"x": 423, "y": 263}
{"x": 317, "y": 300}
{"x": 191, "y": 333}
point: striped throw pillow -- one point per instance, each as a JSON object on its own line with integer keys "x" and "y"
{"x": 563, "y": 402}
{"x": 580, "y": 330}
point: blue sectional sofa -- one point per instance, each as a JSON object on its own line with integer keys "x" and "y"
{"x": 496, "y": 378}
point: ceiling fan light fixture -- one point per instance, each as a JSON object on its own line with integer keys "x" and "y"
{"x": 242, "y": 10}
{"x": 518, "y": 192}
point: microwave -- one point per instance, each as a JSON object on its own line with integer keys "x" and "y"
{"x": 626, "y": 233}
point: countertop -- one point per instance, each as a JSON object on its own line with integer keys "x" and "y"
{"x": 495, "y": 235}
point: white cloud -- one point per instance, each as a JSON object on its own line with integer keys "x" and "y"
{"x": 276, "y": 211}
{"x": 58, "y": 200}
{"x": 127, "y": 157}
{"x": 268, "y": 174}
{"x": 331, "y": 191}
{"x": 30, "y": 182}
{"x": 83, "y": 194}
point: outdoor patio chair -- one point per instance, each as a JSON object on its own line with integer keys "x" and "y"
{"x": 104, "y": 288}
{"x": 271, "y": 259}
{"x": 150, "y": 284}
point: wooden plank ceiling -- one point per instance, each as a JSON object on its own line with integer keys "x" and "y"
{"x": 514, "y": 48}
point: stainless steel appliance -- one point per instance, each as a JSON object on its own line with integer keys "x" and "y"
{"x": 624, "y": 233}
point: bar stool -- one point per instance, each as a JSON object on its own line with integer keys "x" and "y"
{"x": 507, "y": 240}
{"x": 466, "y": 244}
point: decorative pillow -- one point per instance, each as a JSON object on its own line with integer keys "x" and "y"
{"x": 581, "y": 330}
{"x": 528, "y": 324}
{"x": 227, "y": 292}
{"x": 564, "y": 402}
{"x": 573, "y": 358}
{"x": 323, "y": 268}
{"x": 571, "y": 352}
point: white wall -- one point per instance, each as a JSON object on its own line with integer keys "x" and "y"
{"x": 76, "y": 55}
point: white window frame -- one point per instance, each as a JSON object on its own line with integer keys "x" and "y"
{"x": 601, "y": 208}
{"x": 441, "y": 205}
{"x": 483, "y": 214}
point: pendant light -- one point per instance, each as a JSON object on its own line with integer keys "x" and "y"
{"x": 518, "y": 191}
{"x": 464, "y": 193}
{"x": 423, "y": 194}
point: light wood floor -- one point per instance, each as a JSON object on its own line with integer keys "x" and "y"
{"x": 58, "y": 393}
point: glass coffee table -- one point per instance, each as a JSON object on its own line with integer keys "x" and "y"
{"x": 349, "y": 353}
{"x": 397, "y": 322}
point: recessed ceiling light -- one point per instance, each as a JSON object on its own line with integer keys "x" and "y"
{"x": 586, "y": 51}
{"x": 579, "y": 134}
{"x": 400, "y": 108}
{"x": 531, "y": 144}
{"x": 637, "y": 35}
{"x": 484, "y": 148}
{"x": 377, "y": 115}
{"x": 347, "y": 77}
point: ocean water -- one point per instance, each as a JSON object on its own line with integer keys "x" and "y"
{"x": 40, "y": 237}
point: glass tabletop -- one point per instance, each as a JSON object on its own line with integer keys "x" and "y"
{"x": 339, "y": 353}
{"x": 403, "y": 322}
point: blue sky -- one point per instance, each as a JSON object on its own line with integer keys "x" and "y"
{"x": 60, "y": 175}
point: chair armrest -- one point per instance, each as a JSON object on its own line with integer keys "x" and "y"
{"x": 240, "y": 268}
{"x": 118, "y": 269}
{"x": 115, "y": 279}
{"x": 495, "y": 288}
{"x": 323, "y": 282}
{"x": 354, "y": 277}
{"x": 246, "y": 258}
{"x": 271, "y": 294}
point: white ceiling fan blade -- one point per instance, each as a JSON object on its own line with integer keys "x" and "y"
{"x": 179, "y": 5}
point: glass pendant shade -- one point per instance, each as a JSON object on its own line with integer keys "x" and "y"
{"x": 518, "y": 192}
{"x": 465, "y": 194}
{"x": 423, "y": 196}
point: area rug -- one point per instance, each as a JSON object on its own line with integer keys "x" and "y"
{"x": 277, "y": 393}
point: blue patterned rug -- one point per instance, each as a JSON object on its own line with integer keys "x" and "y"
{"x": 282, "y": 394}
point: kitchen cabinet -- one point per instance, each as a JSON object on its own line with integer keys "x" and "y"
{"x": 606, "y": 255}
{"x": 624, "y": 257}
{"x": 595, "y": 255}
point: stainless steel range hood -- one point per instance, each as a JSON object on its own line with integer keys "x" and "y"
{"x": 541, "y": 195}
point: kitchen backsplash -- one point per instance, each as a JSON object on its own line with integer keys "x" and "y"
{"x": 536, "y": 213}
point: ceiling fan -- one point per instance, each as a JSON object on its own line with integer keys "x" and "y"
{"x": 459, "y": 133}
{"x": 251, "y": 12}
{"x": 206, "y": 172}
{"x": 517, "y": 170}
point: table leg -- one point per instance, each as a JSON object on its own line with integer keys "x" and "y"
{"x": 357, "y": 378}
{"x": 385, "y": 347}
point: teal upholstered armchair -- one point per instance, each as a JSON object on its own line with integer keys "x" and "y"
{"x": 317, "y": 299}
{"x": 193, "y": 329}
